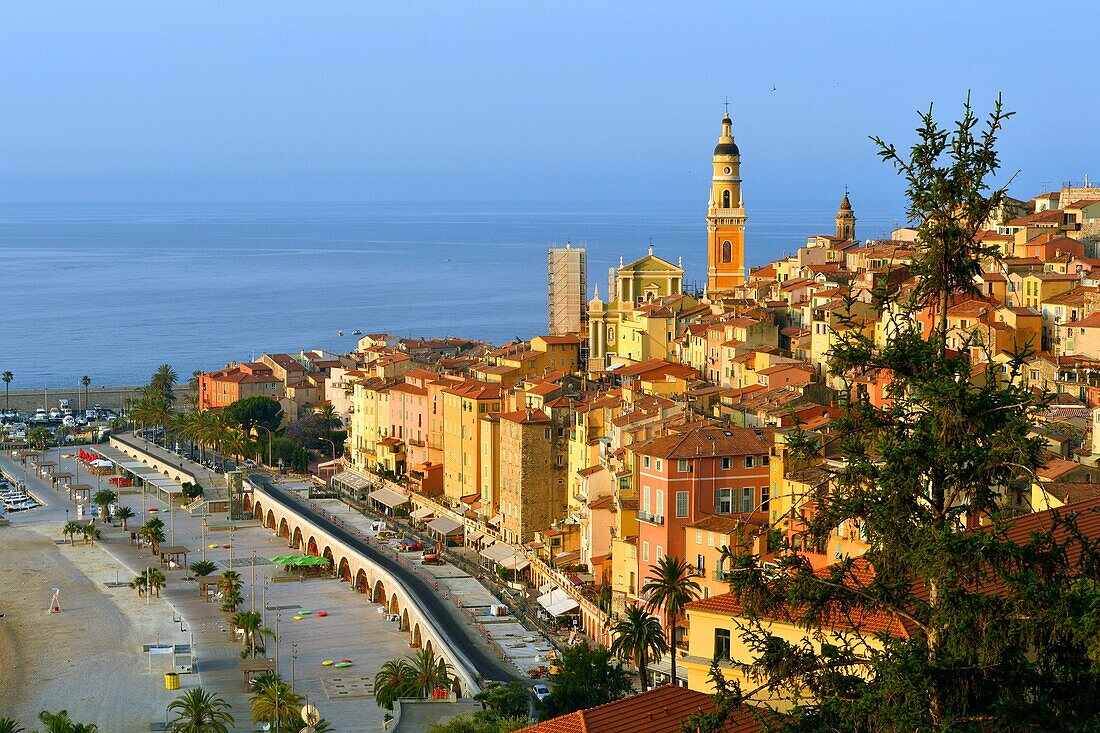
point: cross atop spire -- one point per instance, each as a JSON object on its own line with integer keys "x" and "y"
{"x": 727, "y": 106}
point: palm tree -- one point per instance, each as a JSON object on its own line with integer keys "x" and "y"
{"x": 231, "y": 601}
{"x": 71, "y": 530}
{"x": 60, "y": 722}
{"x": 230, "y": 581}
{"x": 199, "y": 711}
{"x": 395, "y": 679}
{"x": 8, "y": 376}
{"x": 103, "y": 499}
{"x": 251, "y": 622}
{"x": 154, "y": 579}
{"x": 38, "y": 437}
{"x": 276, "y": 704}
{"x": 138, "y": 584}
{"x": 124, "y": 513}
{"x": 90, "y": 532}
{"x": 10, "y": 725}
{"x": 202, "y": 568}
{"x": 87, "y": 382}
{"x": 153, "y": 533}
{"x": 640, "y": 639}
{"x": 670, "y": 588}
{"x": 431, "y": 672}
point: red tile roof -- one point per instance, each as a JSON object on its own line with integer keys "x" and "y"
{"x": 660, "y": 710}
{"x": 709, "y": 442}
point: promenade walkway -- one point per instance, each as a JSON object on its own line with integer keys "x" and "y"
{"x": 448, "y": 622}
{"x": 353, "y": 627}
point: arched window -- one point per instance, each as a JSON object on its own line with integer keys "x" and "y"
{"x": 727, "y": 252}
{"x": 725, "y": 199}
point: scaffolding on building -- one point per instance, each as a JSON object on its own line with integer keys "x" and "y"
{"x": 567, "y": 290}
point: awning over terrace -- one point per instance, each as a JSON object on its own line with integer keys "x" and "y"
{"x": 388, "y": 497}
{"x": 557, "y": 602}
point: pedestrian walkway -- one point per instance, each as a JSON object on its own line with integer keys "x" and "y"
{"x": 352, "y": 627}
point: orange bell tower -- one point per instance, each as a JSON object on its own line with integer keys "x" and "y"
{"x": 726, "y": 215}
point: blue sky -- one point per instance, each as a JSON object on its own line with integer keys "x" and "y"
{"x": 456, "y": 101}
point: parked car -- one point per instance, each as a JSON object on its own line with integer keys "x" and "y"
{"x": 541, "y": 692}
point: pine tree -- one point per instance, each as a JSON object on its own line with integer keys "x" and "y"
{"x": 988, "y": 630}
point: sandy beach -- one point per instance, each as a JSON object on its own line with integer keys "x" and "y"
{"x": 88, "y": 658}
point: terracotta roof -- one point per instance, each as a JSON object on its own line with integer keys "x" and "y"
{"x": 708, "y": 442}
{"x": 526, "y": 416}
{"x": 868, "y": 622}
{"x": 476, "y": 390}
{"x": 1072, "y": 492}
{"x": 1056, "y": 468}
{"x": 1050, "y": 216}
{"x": 660, "y": 710}
{"x": 730, "y": 523}
{"x": 1092, "y": 321}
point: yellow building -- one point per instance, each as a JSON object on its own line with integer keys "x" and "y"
{"x": 464, "y": 404}
{"x": 516, "y": 362}
{"x": 715, "y": 631}
{"x": 527, "y": 497}
{"x": 489, "y": 485}
{"x": 369, "y": 414}
{"x": 644, "y": 314}
{"x": 706, "y": 540}
{"x": 725, "y": 216}
{"x": 1039, "y": 287}
{"x": 625, "y": 583}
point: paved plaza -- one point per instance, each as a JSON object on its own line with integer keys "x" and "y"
{"x": 353, "y": 628}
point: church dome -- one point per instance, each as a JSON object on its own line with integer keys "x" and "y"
{"x": 729, "y": 148}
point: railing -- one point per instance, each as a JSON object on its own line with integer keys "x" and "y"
{"x": 651, "y": 518}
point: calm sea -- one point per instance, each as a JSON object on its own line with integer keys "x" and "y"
{"x": 113, "y": 290}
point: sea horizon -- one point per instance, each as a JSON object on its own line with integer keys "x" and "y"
{"x": 113, "y": 289}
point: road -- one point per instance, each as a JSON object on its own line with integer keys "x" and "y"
{"x": 444, "y": 619}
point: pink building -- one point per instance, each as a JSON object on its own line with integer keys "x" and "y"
{"x": 683, "y": 477}
{"x": 409, "y": 415}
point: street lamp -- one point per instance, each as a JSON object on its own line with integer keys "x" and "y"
{"x": 333, "y": 444}
{"x": 256, "y": 427}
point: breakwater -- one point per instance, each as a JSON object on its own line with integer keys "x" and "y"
{"x": 115, "y": 397}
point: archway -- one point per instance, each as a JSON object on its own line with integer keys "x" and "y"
{"x": 296, "y": 543}
{"x": 344, "y": 570}
{"x": 428, "y": 645}
{"x": 379, "y": 594}
{"x": 284, "y": 529}
{"x": 269, "y": 521}
{"x": 417, "y": 640}
{"x": 395, "y": 608}
{"x": 327, "y": 554}
{"x": 257, "y": 508}
{"x": 361, "y": 581}
{"x": 311, "y": 548}
{"x": 404, "y": 624}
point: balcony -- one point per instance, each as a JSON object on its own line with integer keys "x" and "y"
{"x": 720, "y": 575}
{"x": 651, "y": 518}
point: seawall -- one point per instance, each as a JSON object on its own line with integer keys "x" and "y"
{"x": 114, "y": 397}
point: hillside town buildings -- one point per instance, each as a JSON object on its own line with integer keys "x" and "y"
{"x": 657, "y": 423}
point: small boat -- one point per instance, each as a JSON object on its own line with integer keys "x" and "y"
{"x": 356, "y": 332}
{"x": 339, "y": 333}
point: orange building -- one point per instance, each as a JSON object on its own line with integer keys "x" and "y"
{"x": 220, "y": 389}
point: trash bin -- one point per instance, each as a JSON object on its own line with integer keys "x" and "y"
{"x": 171, "y": 681}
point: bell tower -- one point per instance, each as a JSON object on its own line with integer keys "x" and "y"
{"x": 845, "y": 219}
{"x": 726, "y": 215}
